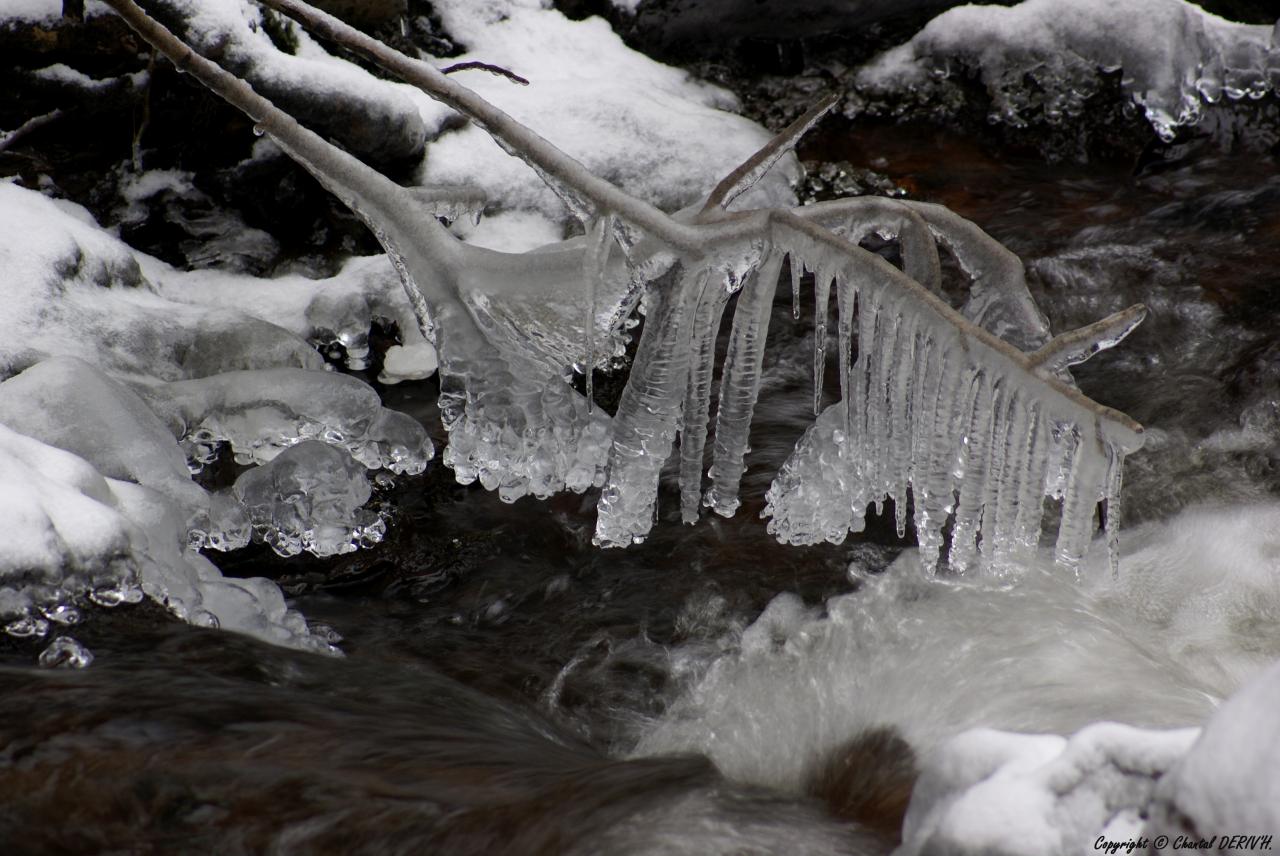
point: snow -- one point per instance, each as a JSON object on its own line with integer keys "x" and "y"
{"x": 1227, "y": 783}
{"x": 314, "y": 83}
{"x": 336, "y": 310}
{"x": 119, "y": 391}
{"x": 1174, "y": 58}
{"x": 998, "y": 793}
{"x": 651, "y": 129}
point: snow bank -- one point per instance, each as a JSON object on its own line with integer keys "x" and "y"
{"x": 1046, "y": 55}
{"x": 136, "y": 391}
{"x": 651, "y": 129}
{"x": 995, "y": 793}
{"x": 1227, "y": 783}
{"x": 46, "y": 11}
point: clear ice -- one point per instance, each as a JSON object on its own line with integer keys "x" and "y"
{"x": 967, "y": 417}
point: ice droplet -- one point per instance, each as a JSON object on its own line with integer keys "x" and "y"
{"x": 65, "y": 653}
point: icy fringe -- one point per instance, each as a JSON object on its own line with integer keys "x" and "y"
{"x": 973, "y": 412}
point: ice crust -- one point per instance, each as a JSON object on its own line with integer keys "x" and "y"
{"x": 120, "y": 390}
{"x": 1046, "y": 57}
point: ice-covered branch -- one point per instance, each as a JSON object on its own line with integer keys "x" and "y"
{"x": 753, "y": 169}
{"x": 1069, "y": 349}
{"x": 950, "y": 407}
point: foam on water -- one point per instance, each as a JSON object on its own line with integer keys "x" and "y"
{"x": 1194, "y": 611}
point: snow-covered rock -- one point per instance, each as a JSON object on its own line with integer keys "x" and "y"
{"x": 1046, "y": 57}
{"x": 653, "y": 130}
{"x": 1227, "y": 784}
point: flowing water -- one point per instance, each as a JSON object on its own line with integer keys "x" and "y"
{"x": 508, "y": 688}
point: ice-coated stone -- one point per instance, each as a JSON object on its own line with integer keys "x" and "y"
{"x": 67, "y": 403}
{"x": 74, "y": 538}
{"x": 71, "y": 289}
{"x": 64, "y": 533}
{"x": 1044, "y": 56}
{"x": 309, "y": 498}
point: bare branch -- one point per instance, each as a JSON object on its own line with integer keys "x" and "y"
{"x": 1076, "y": 346}
{"x": 484, "y": 66}
{"x": 754, "y": 167}
{"x": 8, "y": 138}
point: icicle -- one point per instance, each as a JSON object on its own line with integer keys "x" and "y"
{"x": 649, "y": 412}
{"x": 1114, "y": 480}
{"x": 693, "y": 430}
{"x": 1031, "y": 491}
{"x": 822, "y": 299}
{"x": 846, "y": 308}
{"x": 1085, "y": 482}
{"x": 904, "y": 378}
{"x": 936, "y": 495}
{"x": 972, "y": 475}
{"x": 797, "y": 271}
{"x": 594, "y": 262}
{"x": 998, "y": 468}
{"x": 999, "y": 516}
{"x": 740, "y": 384}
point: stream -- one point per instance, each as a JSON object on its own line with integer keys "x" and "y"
{"x": 509, "y": 688}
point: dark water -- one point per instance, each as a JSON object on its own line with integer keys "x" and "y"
{"x": 499, "y": 668}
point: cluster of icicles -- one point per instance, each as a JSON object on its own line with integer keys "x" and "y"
{"x": 924, "y": 409}
{"x": 973, "y": 413}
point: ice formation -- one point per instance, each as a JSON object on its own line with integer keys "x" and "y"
{"x": 309, "y": 497}
{"x": 120, "y": 392}
{"x": 938, "y": 402}
{"x": 1046, "y": 58}
{"x": 75, "y": 538}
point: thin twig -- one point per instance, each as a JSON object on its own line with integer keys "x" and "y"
{"x": 32, "y": 124}
{"x": 146, "y": 112}
{"x": 484, "y": 66}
